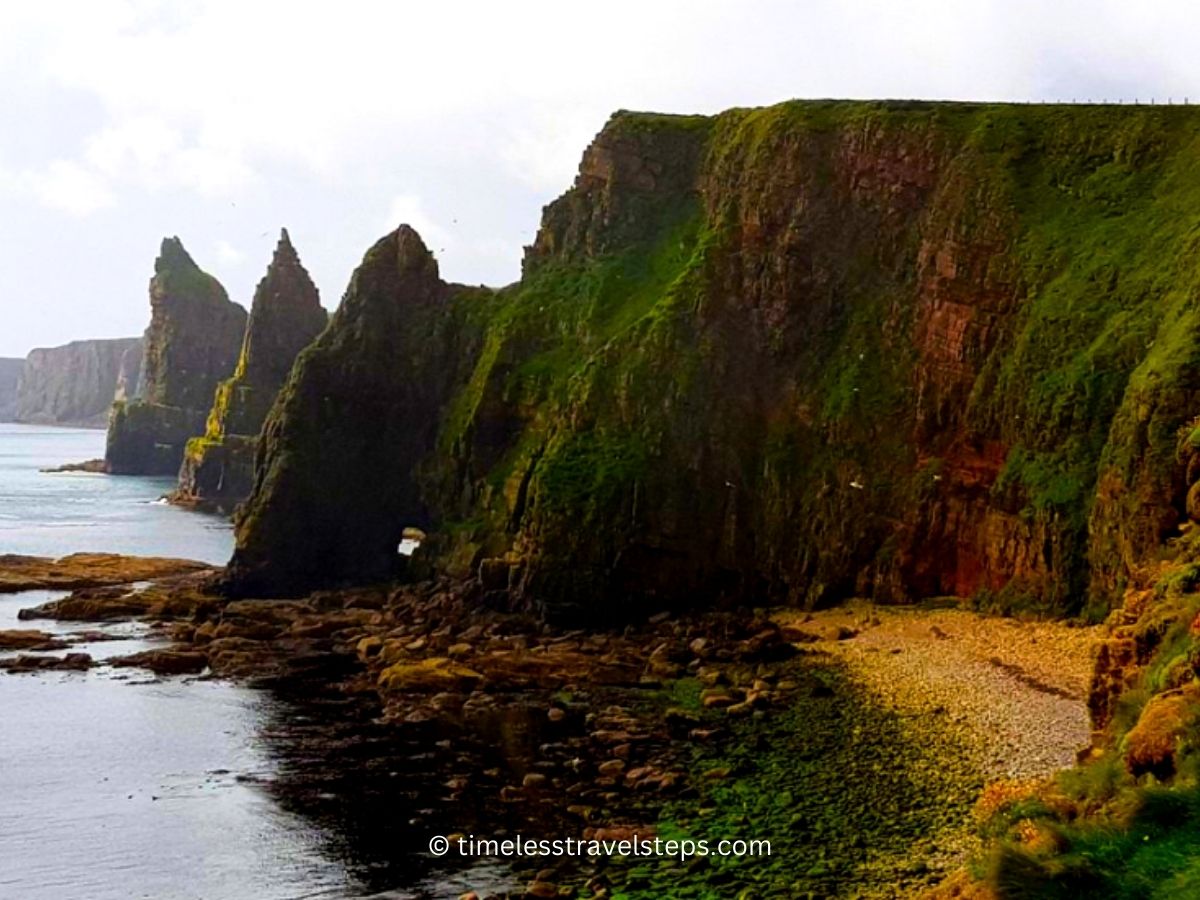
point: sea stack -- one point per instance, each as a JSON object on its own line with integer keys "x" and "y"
{"x": 192, "y": 344}
{"x": 361, "y": 405}
{"x": 789, "y": 355}
{"x": 285, "y": 316}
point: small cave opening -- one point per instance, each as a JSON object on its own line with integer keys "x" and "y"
{"x": 410, "y": 539}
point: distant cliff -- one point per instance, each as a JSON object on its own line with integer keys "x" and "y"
{"x": 10, "y": 374}
{"x": 74, "y": 384}
{"x": 795, "y": 354}
{"x": 285, "y": 316}
{"x": 191, "y": 345}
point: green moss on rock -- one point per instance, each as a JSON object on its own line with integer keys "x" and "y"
{"x": 739, "y": 343}
{"x": 285, "y": 316}
{"x": 191, "y": 344}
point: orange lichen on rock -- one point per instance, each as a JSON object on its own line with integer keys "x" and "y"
{"x": 1151, "y": 744}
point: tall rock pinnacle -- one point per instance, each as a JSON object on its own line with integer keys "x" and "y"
{"x": 192, "y": 343}
{"x": 285, "y": 316}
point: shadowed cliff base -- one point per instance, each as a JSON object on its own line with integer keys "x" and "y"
{"x": 800, "y": 353}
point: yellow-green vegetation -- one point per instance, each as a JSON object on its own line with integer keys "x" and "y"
{"x": 428, "y": 675}
{"x": 218, "y": 467}
{"x": 1126, "y": 823}
{"x": 797, "y": 354}
{"x": 852, "y": 800}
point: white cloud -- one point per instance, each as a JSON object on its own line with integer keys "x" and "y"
{"x": 544, "y": 153}
{"x": 212, "y": 95}
{"x": 229, "y": 255}
{"x": 61, "y": 185}
{"x": 220, "y": 118}
{"x": 71, "y": 188}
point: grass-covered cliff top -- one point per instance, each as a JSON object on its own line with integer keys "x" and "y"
{"x": 800, "y": 353}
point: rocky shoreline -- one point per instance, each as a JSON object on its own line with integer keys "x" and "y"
{"x": 708, "y": 725}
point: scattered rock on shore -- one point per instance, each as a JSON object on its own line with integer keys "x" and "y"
{"x": 170, "y": 661}
{"x": 72, "y": 662}
{"x": 29, "y": 639}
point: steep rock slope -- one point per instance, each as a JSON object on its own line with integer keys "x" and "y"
{"x": 10, "y": 374}
{"x": 285, "y": 316}
{"x": 74, "y": 384}
{"x": 191, "y": 345}
{"x": 361, "y": 402}
{"x": 789, "y": 354}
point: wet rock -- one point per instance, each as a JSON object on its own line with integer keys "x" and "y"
{"x": 534, "y": 781}
{"x": 72, "y": 662}
{"x": 241, "y": 657}
{"x": 428, "y": 676}
{"x": 368, "y": 648}
{"x": 83, "y": 570}
{"x": 30, "y": 639}
{"x": 174, "y": 661}
{"x": 716, "y": 699}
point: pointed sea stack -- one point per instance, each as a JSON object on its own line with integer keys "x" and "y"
{"x": 362, "y": 406}
{"x": 784, "y": 355}
{"x": 285, "y": 316}
{"x": 191, "y": 345}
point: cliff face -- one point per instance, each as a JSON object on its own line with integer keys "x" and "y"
{"x": 191, "y": 345}
{"x": 10, "y": 374}
{"x": 129, "y": 374}
{"x": 789, "y": 354}
{"x": 285, "y": 316}
{"x": 74, "y": 384}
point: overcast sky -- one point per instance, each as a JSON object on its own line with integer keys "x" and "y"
{"x": 122, "y": 121}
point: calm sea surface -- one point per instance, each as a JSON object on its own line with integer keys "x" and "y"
{"x": 114, "y": 784}
{"x": 53, "y": 515}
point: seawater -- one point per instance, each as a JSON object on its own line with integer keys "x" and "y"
{"x": 56, "y": 514}
{"x": 115, "y": 784}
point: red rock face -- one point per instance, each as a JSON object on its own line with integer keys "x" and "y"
{"x": 867, "y": 352}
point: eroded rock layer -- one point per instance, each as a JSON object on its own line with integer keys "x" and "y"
{"x": 191, "y": 345}
{"x": 285, "y": 316}
{"x": 788, "y": 354}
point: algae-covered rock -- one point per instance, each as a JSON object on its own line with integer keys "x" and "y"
{"x": 192, "y": 344}
{"x": 429, "y": 675}
{"x": 801, "y": 353}
{"x": 147, "y": 439}
{"x": 285, "y": 316}
{"x": 356, "y": 416}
